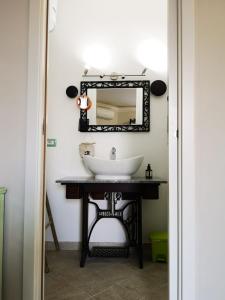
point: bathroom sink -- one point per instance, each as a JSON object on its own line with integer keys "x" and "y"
{"x": 113, "y": 169}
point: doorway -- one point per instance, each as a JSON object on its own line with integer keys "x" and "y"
{"x": 105, "y": 51}
{"x": 173, "y": 232}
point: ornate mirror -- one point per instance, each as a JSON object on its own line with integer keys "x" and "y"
{"x": 116, "y": 106}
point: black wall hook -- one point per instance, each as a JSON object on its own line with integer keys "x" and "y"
{"x": 72, "y": 91}
{"x": 158, "y": 88}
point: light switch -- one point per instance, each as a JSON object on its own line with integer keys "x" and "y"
{"x": 51, "y": 142}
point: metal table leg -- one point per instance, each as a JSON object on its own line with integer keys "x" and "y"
{"x": 140, "y": 246}
{"x": 84, "y": 249}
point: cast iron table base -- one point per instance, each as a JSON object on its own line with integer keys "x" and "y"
{"x": 135, "y": 190}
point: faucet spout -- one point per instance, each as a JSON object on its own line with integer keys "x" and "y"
{"x": 113, "y": 153}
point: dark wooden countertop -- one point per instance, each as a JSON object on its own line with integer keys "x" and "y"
{"x": 77, "y": 180}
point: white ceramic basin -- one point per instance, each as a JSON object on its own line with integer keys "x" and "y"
{"x": 113, "y": 169}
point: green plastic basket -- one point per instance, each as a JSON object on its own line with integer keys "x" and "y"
{"x": 159, "y": 242}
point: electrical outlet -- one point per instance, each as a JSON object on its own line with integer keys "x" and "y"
{"x": 51, "y": 142}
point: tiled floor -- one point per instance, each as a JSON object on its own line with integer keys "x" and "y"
{"x": 104, "y": 279}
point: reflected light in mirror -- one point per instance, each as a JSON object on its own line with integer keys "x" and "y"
{"x": 153, "y": 55}
{"x": 97, "y": 56}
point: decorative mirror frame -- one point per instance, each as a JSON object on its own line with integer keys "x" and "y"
{"x": 144, "y": 127}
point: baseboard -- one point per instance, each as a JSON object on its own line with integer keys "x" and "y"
{"x": 63, "y": 245}
{"x": 75, "y": 246}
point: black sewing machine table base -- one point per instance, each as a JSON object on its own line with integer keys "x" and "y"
{"x": 129, "y": 215}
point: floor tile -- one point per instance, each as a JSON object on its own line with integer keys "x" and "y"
{"x": 104, "y": 278}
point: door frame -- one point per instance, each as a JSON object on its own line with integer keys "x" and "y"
{"x": 181, "y": 151}
{"x": 35, "y": 152}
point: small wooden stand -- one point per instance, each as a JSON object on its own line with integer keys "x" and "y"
{"x": 52, "y": 225}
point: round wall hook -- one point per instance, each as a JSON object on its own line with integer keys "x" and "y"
{"x": 158, "y": 88}
{"x": 72, "y": 91}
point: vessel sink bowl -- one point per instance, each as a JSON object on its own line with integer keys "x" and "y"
{"x": 113, "y": 169}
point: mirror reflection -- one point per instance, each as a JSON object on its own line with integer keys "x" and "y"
{"x": 116, "y": 106}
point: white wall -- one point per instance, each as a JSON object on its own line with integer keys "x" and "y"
{"x": 210, "y": 149}
{"x": 13, "y": 77}
{"x": 79, "y": 23}
{"x": 209, "y": 144}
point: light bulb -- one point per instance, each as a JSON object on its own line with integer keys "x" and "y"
{"x": 97, "y": 56}
{"x": 153, "y": 55}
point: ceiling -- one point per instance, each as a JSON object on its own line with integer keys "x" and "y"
{"x": 120, "y": 97}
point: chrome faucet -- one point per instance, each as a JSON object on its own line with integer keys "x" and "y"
{"x": 113, "y": 153}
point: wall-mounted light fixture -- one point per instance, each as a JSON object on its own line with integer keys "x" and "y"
{"x": 114, "y": 75}
{"x": 85, "y": 72}
{"x": 144, "y": 71}
{"x": 84, "y": 102}
{"x": 152, "y": 54}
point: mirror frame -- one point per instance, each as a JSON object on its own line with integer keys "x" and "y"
{"x": 144, "y": 127}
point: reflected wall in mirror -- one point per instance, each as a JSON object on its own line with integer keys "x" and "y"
{"x": 116, "y": 106}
